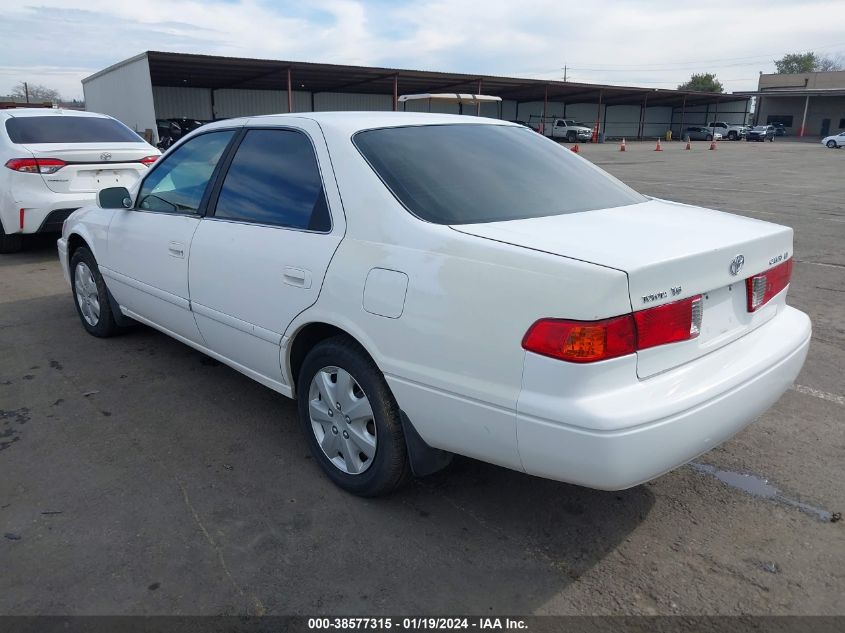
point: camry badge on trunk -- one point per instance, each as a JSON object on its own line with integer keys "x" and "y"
{"x": 105, "y": 156}
{"x": 736, "y": 265}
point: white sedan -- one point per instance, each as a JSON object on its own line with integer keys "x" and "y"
{"x": 426, "y": 285}
{"x": 834, "y": 141}
{"x": 53, "y": 162}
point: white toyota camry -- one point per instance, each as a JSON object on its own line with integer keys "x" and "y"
{"x": 426, "y": 285}
{"x": 55, "y": 161}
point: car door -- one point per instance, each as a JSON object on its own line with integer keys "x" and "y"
{"x": 148, "y": 245}
{"x": 259, "y": 256}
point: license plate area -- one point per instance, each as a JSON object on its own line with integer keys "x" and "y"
{"x": 96, "y": 179}
{"x": 725, "y": 318}
{"x": 724, "y": 314}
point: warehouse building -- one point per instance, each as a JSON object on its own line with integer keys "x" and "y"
{"x": 158, "y": 85}
{"x": 807, "y": 104}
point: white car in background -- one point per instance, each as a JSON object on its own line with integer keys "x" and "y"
{"x": 54, "y": 161}
{"x": 834, "y": 141}
{"x": 427, "y": 284}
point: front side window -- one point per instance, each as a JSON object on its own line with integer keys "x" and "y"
{"x": 274, "y": 179}
{"x": 468, "y": 173}
{"x": 177, "y": 184}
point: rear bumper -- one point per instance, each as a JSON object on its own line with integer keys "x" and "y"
{"x": 602, "y": 429}
{"x": 42, "y": 212}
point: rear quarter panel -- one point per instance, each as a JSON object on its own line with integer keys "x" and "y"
{"x": 453, "y": 358}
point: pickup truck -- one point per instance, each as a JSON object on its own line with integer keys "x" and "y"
{"x": 730, "y": 131}
{"x": 567, "y": 129}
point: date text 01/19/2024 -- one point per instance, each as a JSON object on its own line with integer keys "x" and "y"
{"x": 416, "y": 624}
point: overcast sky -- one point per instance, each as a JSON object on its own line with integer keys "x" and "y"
{"x": 655, "y": 43}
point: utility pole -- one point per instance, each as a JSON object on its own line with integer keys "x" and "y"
{"x": 26, "y": 91}
{"x": 564, "y": 73}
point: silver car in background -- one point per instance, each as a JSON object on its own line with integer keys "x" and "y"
{"x": 701, "y": 133}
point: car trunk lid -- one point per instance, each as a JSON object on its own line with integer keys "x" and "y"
{"x": 92, "y": 166}
{"x": 669, "y": 251}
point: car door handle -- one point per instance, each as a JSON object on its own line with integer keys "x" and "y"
{"x": 176, "y": 249}
{"x": 297, "y": 277}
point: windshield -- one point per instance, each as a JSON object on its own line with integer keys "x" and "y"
{"x": 469, "y": 173}
{"x": 762, "y": 128}
{"x": 68, "y": 129}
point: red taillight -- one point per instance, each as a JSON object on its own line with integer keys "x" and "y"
{"x": 35, "y": 165}
{"x": 759, "y": 289}
{"x": 582, "y": 341}
{"x": 669, "y": 323}
{"x": 590, "y": 341}
{"x": 148, "y": 160}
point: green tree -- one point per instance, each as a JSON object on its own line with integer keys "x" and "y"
{"x": 703, "y": 82}
{"x": 797, "y": 63}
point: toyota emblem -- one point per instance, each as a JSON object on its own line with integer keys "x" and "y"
{"x": 105, "y": 156}
{"x": 736, "y": 265}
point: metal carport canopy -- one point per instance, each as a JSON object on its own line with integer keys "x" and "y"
{"x": 216, "y": 72}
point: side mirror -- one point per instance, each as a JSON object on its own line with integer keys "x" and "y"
{"x": 114, "y": 198}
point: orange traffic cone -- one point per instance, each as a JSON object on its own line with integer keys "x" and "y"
{"x": 713, "y": 144}
{"x": 575, "y": 148}
{"x": 689, "y": 145}
{"x": 657, "y": 147}
{"x": 622, "y": 147}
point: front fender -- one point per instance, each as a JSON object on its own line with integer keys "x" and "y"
{"x": 90, "y": 224}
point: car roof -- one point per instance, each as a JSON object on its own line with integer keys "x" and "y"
{"x": 26, "y": 112}
{"x": 351, "y": 122}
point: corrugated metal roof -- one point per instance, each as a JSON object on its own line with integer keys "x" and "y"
{"x": 217, "y": 72}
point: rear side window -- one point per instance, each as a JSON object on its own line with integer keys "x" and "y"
{"x": 469, "y": 173}
{"x": 68, "y": 129}
{"x": 274, "y": 179}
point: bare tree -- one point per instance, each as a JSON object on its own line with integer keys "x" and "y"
{"x": 37, "y": 92}
{"x": 831, "y": 62}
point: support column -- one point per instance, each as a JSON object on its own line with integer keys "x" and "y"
{"x": 290, "y": 93}
{"x": 802, "y": 129}
{"x": 643, "y": 108}
{"x": 598, "y": 118}
{"x": 545, "y": 103}
{"x": 395, "y": 92}
{"x": 683, "y": 117}
{"x": 478, "y": 105}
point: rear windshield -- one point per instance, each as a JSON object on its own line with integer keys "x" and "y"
{"x": 469, "y": 173}
{"x": 68, "y": 129}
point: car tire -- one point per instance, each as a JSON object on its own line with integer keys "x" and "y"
{"x": 571, "y": 137}
{"x": 831, "y": 144}
{"x": 334, "y": 437}
{"x": 10, "y": 243}
{"x": 772, "y": 140}
{"x": 90, "y": 295}
{"x": 731, "y": 136}
{"x": 709, "y": 137}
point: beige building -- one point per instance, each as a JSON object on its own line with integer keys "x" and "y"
{"x": 807, "y": 104}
